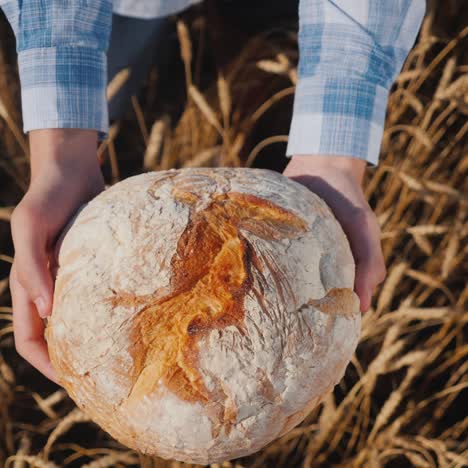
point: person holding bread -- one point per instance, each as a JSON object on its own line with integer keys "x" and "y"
{"x": 349, "y": 55}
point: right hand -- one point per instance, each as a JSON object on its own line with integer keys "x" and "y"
{"x": 338, "y": 180}
{"x": 65, "y": 174}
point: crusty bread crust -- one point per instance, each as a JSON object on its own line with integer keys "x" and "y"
{"x": 201, "y": 313}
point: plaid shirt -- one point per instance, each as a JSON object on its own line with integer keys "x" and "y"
{"x": 350, "y": 54}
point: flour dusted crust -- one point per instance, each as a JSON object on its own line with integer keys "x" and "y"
{"x": 199, "y": 314}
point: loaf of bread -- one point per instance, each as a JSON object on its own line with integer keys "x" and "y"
{"x": 201, "y": 313}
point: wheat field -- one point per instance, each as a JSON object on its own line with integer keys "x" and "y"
{"x": 403, "y": 401}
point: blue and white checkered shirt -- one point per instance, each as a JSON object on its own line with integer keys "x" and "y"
{"x": 350, "y": 54}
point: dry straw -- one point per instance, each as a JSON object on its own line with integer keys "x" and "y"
{"x": 117, "y": 82}
{"x": 155, "y": 143}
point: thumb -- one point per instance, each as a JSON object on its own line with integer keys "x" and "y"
{"x": 32, "y": 259}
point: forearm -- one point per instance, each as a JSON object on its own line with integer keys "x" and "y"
{"x": 71, "y": 147}
{"x": 64, "y": 158}
{"x": 321, "y": 164}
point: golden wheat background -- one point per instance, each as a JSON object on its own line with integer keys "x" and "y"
{"x": 226, "y": 99}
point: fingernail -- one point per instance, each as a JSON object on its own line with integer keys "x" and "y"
{"x": 52, "y": 374}
{"x": 41, "y": 307}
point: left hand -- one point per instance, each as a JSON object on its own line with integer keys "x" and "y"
{"x": 65, "y": 174}
{"x": 338, "y": 181}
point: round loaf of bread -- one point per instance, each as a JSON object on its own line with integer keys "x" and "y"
{"x": 201, "y": 313}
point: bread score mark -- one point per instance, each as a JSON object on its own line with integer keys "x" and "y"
{"x": 211, "y": 273}
{"x": 338, "y": 301}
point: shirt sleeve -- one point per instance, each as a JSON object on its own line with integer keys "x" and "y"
{"x": 349, "y": 55}
{"x": 62, "y": 61}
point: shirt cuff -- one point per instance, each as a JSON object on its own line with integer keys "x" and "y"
{"x": 340, "y": 116}
{"x": 64, "y": 87}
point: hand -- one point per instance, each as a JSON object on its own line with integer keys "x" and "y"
{"x": 65, "y": 174}
{"x": 338, "y": 180}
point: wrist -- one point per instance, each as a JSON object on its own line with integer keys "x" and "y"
{"x": 71, "y": 150}
{"x": 322, "y": 164}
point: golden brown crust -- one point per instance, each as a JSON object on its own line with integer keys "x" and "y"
{"x": 338, "y": 301}
{"x": 212, "y": 248}
{"x": 211, "y": 273}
